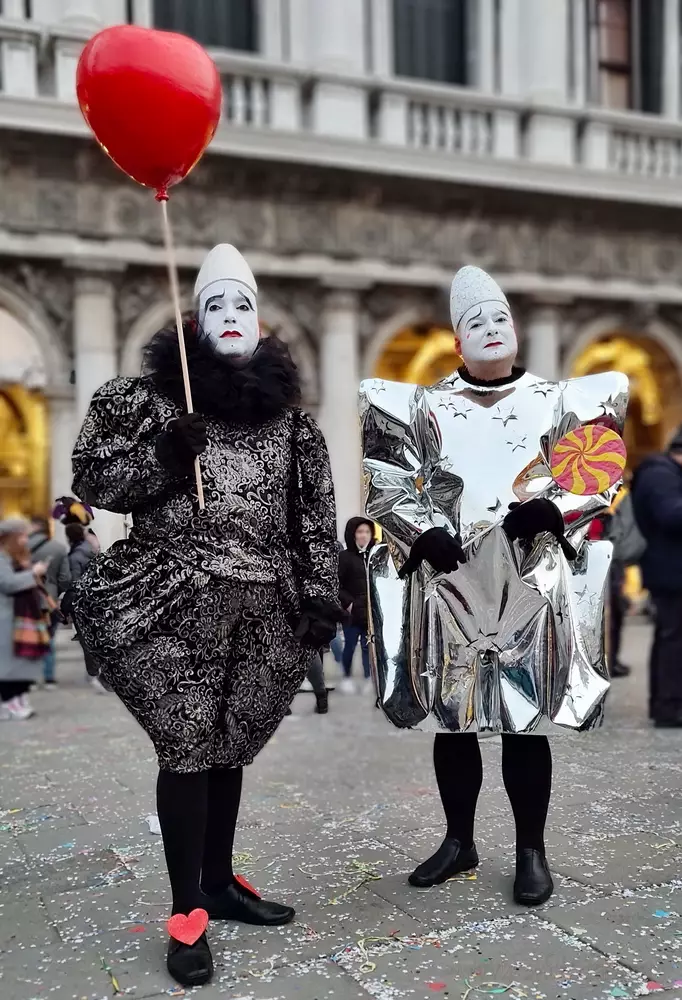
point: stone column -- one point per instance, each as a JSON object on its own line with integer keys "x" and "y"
{"x": 382, "y": 38}
{"x": 485, "y": 46}
{"x": 339, "y": 370}
{"x": 62, "y": 412}
{"x": 544, "y": 77}
{"x": 336, "y": 34}
{"x": 580, "y": 53}
{"x": 510, "y": 47}
{"x": 543, "y": 342}
{"x": 18, "y": 57}
{"x": 671, "y": 59}
{"x": 273, "y": 30}
{"x": 94, "y": 318}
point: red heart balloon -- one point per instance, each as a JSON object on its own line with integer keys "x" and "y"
{"x": 189, "y": 929}
{"x": 152, "y": 99}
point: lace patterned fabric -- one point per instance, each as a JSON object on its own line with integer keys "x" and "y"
{"x": 191, "y": 619}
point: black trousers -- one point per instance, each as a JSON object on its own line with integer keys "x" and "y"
{"x": 665, "y": 663}
{"x": 618, "y": 606}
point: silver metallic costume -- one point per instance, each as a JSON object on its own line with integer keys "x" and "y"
{"x": 513, "y": 640}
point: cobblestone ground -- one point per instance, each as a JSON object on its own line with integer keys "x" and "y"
{"x": 337, "y": 811}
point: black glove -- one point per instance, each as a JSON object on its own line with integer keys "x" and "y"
{"x": 439, "y": 548}
{"x": 319, "y": 622}
{"x": 526, "y": 520}
{"x": 66, "y": 605}
{"x": 181, "y": 442}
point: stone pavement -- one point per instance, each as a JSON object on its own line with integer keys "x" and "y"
{"x": 337, "y": 811}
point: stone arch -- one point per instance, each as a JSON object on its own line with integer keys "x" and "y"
{"x": 601, "y": 326}
{"x": 160, "y": 314}
{"x": 154, "y": 318}
{"x": 39, "y": 332}
{"x": 386, "y": 331}
{"x": 656, "y": 390}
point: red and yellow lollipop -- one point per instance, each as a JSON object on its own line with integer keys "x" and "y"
{"x": 588, "y": 460}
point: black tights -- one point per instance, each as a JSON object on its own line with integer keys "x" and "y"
{"x": 198, "y": 816}
{"x": 527, "y": 774}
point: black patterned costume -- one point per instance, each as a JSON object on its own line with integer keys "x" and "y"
{"x": 191, "y": 620}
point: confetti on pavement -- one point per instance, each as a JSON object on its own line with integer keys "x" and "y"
{"x": 336, "y": 812}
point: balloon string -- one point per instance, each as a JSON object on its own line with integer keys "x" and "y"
{"x": 175, "y": 294}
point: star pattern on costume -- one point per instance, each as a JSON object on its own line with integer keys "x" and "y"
{"x": 451, "y": 405}
{"x": 541, "y": 388}
{"x": 608, "y": 408}
{"x": 495, "y": 507}
{"x": 519, "y": 444}
{"x": 505, "y": 418}
{"x": 380, "y": 386}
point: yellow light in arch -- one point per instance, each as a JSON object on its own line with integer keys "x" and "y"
{"x": 420, "y": 354}
{"x": 439, "y": 344}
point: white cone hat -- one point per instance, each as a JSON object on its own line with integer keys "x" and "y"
{"x": 470, "y": 287}
{"x": 222, "y": 263}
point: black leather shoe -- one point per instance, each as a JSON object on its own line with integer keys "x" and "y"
{"x": 450, "y": 859}
{"x": 322, "y": 703}
{"x": 619, "y": 669}
{"x": 533, "y": 884}
{"x": 237, "y": 903}
{"x": 190, "y": 964}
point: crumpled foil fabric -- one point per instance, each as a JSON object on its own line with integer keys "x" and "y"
{"x": 513, "y": 641}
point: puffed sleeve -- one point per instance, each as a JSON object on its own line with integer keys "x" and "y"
{"x": 314, "y": 513}
{"x": 114, "y": 460}
{"x": 408, "y": 489}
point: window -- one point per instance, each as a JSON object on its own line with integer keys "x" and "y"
{"x": 613, "y": 24}
{"x": 431, "y": 39}
{"x": 650, "y": 31}
{"x": 225, "y": 24}
{"x": 626, "y": 38}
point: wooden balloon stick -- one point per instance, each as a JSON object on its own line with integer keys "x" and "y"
{"x": 175, "y": 294}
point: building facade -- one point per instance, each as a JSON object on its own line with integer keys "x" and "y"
{"x": 368, "y": 149}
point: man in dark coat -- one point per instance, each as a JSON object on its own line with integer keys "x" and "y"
{"x": 360, "y": 538}
{"x": 657, "y": 500}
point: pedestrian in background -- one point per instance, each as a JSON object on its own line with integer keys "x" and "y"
{"x": 24, "y": 637}
{"x": 44, "y": 548}
{"x": 80, "y": 550}
{"x": 71, "y": 511}
{"x": 628, "y": 549}
{"x": 353, "y": 594}
{"x": 657, "y": 502}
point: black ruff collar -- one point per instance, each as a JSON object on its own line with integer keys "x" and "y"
{"x": 251, "y": 394}
{"x": 516, "y": 374}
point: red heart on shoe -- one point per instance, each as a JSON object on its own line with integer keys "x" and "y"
{"x": 247, "y": 885}
{"x": 189, "y": 929}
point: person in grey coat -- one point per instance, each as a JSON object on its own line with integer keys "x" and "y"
{"x": 44, "y": 548}
{"x": 16, "y": 674}
{"x": 80, "y": 550}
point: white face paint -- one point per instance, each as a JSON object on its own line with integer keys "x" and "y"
{"x": 486, "y": 333}
{"x": 229, "y": 320}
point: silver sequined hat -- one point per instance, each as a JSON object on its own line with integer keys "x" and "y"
{"x": 470, "y": 287}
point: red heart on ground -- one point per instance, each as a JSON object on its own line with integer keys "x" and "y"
{"x": 189, "y": 929}
{"x": 152, "y": 99}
